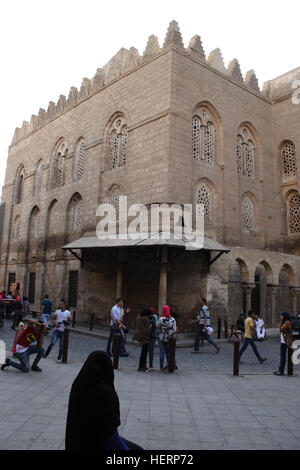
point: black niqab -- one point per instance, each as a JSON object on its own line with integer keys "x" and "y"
{"x": 94, "y": 411}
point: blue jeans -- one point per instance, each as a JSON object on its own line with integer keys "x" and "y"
{"x": 151, "y": 351}
{"x": 46, "y": 318}
{"x": 24, "y": 358}
{"x": 253, "y": 345}
{"x": 202, "y": 335}
{"x": 110, "y": 340}
{"x": 57, "y": 335}
{"x": 283, "y": 350}
{"x": 164, "y": 350}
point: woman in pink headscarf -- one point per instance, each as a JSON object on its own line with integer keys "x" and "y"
{"x": 167, "y": 329}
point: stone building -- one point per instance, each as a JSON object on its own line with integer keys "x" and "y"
{"x": 170, "y": 126}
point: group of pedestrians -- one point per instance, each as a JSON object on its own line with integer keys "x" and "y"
{"x": 29, "y": 339}
{"x": 149, "y": 328}
{"x": 258, "y": 323}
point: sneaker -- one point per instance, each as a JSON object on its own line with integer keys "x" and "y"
{"x": 58, "y": 361}
{"x": 124, "y": 354}
{"x": 218, "y": 349}
{"x": 195, "y": 352}
{"x": 143, "y": 369}
{"x": 36, "y": 369}
{"x": 278, "y": 373}
{"x": 6, "y": 364}
{"x": 150, "y": 369}
{"x": 45, "y": 356}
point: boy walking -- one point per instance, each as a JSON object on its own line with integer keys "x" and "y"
{"x": 46, "y": 310}
{"x": 61, "y": 319}
{"x": 249, "y": 331}
{"x": 203, "y": 325}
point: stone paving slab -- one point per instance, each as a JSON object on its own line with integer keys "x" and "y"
{"x": 201, "y": 406}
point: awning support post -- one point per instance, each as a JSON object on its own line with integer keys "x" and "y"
{"x": 163, "y": 279}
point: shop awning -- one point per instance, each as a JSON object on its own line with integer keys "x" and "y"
{"x": 95, "y": 242}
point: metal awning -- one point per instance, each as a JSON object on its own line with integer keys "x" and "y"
{"x": 145, "y": 240}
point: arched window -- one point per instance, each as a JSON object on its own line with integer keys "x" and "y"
{"x": 245, "y": 153}
{"x": 247, "y": 214}
{"x": 17, "y": 228}
{"x": 293, "y": 204}
{"x": 39, "y": 178}
{"x": 118, "y": 138}
{"x": 203, "y": 137}
{"x": 59, "y": 165}
{"x": 80, "y": 154}
{"x": 115, "y": 198}
{"x": 77, "y": 217}
{"x": 74, "y": 214}
{"x": 203, "y": 196}
{"x": 20, "y": 186}
{"x": 35, "y": 224}
{"x": 288, "y": 160}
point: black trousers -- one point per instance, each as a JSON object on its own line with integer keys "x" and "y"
{"x": 143, "y": 356}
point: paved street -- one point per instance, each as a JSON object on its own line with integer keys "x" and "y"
{"x": 201, "y": 406}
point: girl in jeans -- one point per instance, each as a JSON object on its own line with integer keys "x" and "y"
{"x": 153, "y": 323}
{"x": 167, "y": 329}
{"x": 286, "y": 336}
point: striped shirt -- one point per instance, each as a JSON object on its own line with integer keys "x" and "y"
{"x": 204, "y": 313}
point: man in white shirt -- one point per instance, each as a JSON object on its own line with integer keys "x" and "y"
{"x": 61, "y": 319}
{"x": 116, "y": 314}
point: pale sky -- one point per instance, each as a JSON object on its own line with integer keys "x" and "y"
{"x": 49, "y": 46}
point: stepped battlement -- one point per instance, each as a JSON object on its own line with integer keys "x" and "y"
{"x": 127, "y": 60}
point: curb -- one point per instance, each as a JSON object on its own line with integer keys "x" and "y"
{"x": 181, "y": 343}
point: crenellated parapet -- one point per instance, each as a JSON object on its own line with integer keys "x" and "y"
{"x": 126, "y": 60}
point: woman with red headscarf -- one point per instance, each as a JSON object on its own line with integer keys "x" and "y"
{"x": 167, "y": 329}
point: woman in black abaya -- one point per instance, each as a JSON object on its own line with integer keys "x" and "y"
{"x": 94, "y": 411}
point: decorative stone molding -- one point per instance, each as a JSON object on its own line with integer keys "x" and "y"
{"x": 251, "y": 80}
{"x": 173, "y": 37}
{"x": 195, "y": 48}
{"x": 216, "y": 61}
{"x": 152, "y": 48}
{"x": 234, "y": 71}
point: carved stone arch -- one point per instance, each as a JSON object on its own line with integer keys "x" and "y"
{"x": 238, "y": 278}
{"x": 244, "y": 269}
{"x": 291, "y": 200}
{"x": 79, "y": 159}
{"x": 249, "y": 213}
{"x": 19, "y": 184}
{"x": 290, "y": 273}
{"x": 16, "y": 228}
{"x": 268, "y": 270}
{"x": 286, "y": 283}
{"x": 50, "y": 222}
{"x": 248, "y": 151}
{"x": 288, "y": 162}
{"x": 74, "y": 214}
{"x": 34, "y": 228}
{"x": 207, "y": 133}
{"x": 209, "y": 198}
{"x": 59, "y": 154}
{"x": 116, "y": 137}
{"x": 38, "y": 179}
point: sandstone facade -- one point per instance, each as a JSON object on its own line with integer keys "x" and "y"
{"x": 173, "y": 127}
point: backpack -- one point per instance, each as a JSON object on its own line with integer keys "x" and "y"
{"x": 167, "y": 330}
